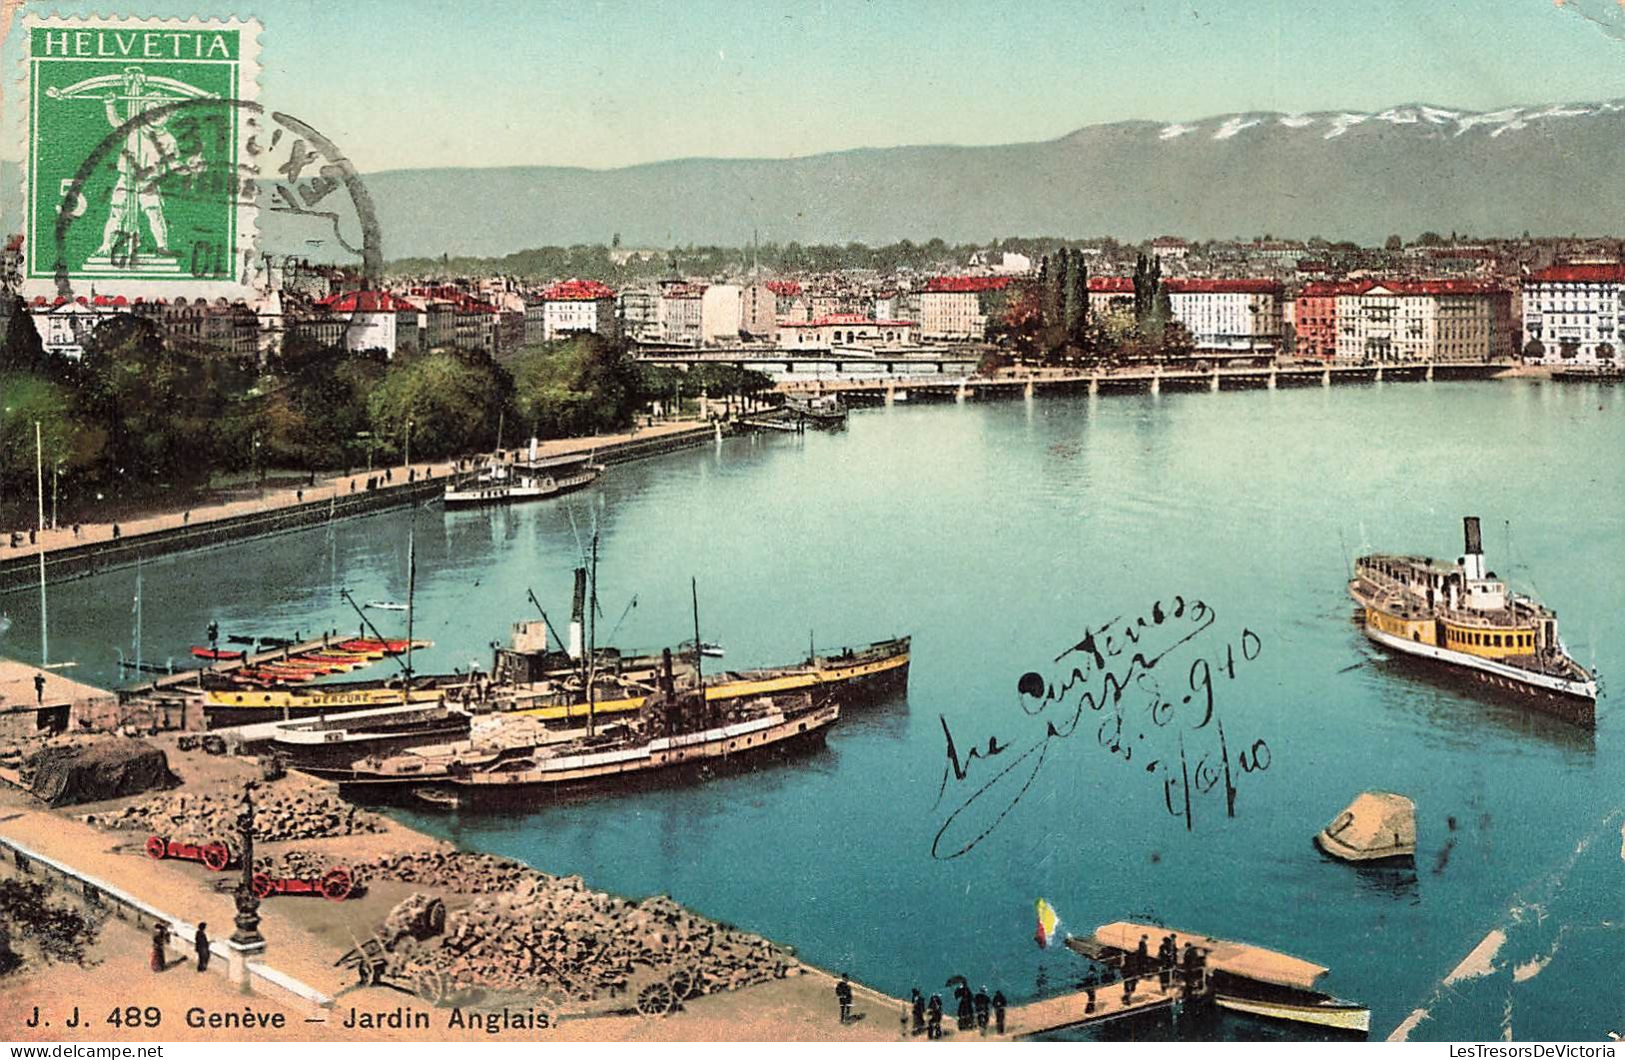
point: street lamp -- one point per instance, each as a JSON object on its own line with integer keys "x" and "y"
{"x": 409, "y": 443}
{"x": 248, "y": 903}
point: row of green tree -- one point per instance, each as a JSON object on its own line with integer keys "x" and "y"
{"x": 142, "y": 413}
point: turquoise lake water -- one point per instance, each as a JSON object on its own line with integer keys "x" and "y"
{"x": 999, "y": 535}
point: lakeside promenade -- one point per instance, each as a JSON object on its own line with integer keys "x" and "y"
{"x": 96, "y": 546}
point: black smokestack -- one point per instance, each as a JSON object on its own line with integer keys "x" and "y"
{"x": 1475, "y": 540}
{"x": 578, "y": 603}
{"x": 668, "y": 683}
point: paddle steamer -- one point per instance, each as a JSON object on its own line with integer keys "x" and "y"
{"x": 1464, "y": 618}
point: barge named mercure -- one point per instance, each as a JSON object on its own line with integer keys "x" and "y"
{"x": 1464, "y": 618}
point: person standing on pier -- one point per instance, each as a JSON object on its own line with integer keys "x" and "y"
{"x": 998, "y": 1010}
{"x": 160, "y": 943}
{"x": 843, "y": 997}
{"x": 1167, "y": 954}
{"x": 1089, "y": 982}
{"x": 200, "y": 942}
{"x": 982, "y": 1002}
{"x": 39, "y": 689}
{"x": 1141, "y": 959}
{"x": 933, "y": 1018}
{"x": 1130, "y": 978}
{"x": 917, "y": 1007}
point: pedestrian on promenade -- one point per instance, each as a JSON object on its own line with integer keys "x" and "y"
{"x": 983, "y": 1004}
{"x": 160, "y": 942}
{"x": 917, "y": 1006}
{"x": 1142, "y": 959}
{"x": 388, "y": 475}
{"x": 76, "y": 530}
{"x": 186, "y": 517}
{"x": 31, "y": 532}
{"x": 200, "y": 942}
{"x": 352, "y": 485}
{"x": 299, "y": 496}
{"x": 1189, "y": 976}
{"x": 843, "y": 997}
{"x": 967, "y": 1008}
{"x": 999, "y": 1004}
{"x": 1165, "y": 961}
{"x": 39, "y": 689}
{"x": 115, "y": 532}
{"x": 933, "y": 1018}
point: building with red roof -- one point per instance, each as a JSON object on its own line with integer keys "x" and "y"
{"x": 957, "y": 308}
{"x": 1314, "y": 317}
{"x": 1573, "y": 314}
{"x": 571, "y": 307}
{"x": 373, "y": 320}
{"x": 1228, "y": 316}
{"x": 1420, "y": 320}
{"x": 845, "y": 329}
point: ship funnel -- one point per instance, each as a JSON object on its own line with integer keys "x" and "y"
{"x": 1473, "y": 562}
{"x": 535, "y": 449}
{"x": 578, "y": 610}
{"x": 668, "y": 684}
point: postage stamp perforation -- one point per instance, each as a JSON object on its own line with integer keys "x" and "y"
{"x": 145, "y": 75}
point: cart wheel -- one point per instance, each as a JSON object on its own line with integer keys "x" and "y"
{"x": 336, "y": 885}
{"x": 261, "y": 884}
{"x": 366, "y": 972}
{"x": 431, "y": 985}
{"x": 157, "y": 847}
{"x": 216, "y": 856}
{"x": 656, "y": 999}
{"x": 683, "y": 983}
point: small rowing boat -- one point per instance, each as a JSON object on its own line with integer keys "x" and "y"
{"x": 216, "y": 654}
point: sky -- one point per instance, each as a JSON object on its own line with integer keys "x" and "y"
{"x": 413, "y": 84}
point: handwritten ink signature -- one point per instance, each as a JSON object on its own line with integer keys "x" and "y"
{"x": 1113, "y": 675}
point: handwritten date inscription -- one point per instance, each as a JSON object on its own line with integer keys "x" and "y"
{"x": 1142, "y": 692}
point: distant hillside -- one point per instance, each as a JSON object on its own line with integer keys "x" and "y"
{"x": 1361, "y": 176}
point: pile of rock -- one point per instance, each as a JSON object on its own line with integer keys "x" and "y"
{"x": 460, "y": 871}
{"x": 278, "y": 815}
{"x": 556, "y": 938}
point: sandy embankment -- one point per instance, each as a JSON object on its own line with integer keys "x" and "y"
{"x": 308, "y": 935}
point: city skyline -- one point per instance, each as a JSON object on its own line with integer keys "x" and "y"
{"x": 812, "y": 78}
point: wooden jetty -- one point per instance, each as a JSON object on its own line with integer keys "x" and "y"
{"x": 1072, "y": 1010}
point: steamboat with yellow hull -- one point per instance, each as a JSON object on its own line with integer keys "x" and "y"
{"x": 1464, "y": 618}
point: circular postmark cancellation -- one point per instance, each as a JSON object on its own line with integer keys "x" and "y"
{"x": 171, "y": 168}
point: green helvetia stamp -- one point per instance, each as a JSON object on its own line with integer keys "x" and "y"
{"x": 138, "y": 177}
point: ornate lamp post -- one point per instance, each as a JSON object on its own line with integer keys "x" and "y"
{"x": 248, "y": 903}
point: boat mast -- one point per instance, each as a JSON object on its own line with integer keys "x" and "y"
{"x": 411, "y": 592}
{"x": 138, "y": 614}
{"x": 592, "y": 635}
{"x": 39, "y": 472}
{"x": 699, "y": 668}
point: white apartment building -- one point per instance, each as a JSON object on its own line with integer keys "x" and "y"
{"x": 1228, "y": 316}
{"x": 720, "y": 308}
{"x": 954, "y": 308}
{"x": 1388, "y": 321}
{"x": 679, "y": 315}
{"x": 640, "y": 314}
{"x": 1573, "y": 314}
{"x": 577, "y": 306}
